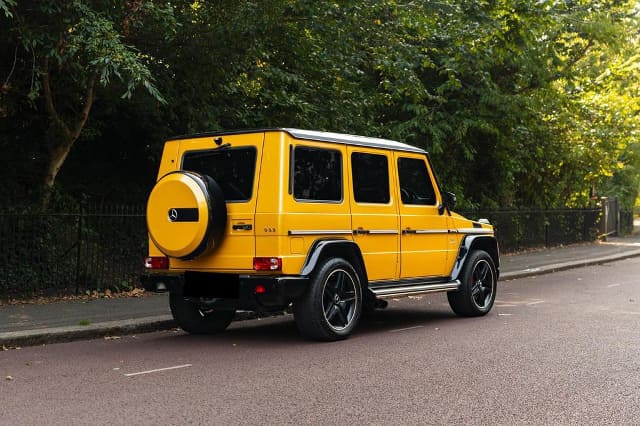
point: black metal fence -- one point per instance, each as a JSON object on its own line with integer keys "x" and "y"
{"x": 523, "y": 229}
{"x": 99, "y": 249}
{"x": 626, "y": 222}
{"x": 56, "y": 254}
{"x": 615, "y": 221}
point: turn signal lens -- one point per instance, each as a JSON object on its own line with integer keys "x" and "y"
{"x": 267, "y": 263}
{"x": 156, "y": 262}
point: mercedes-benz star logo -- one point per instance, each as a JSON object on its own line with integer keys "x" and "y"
{"x": 173, "y": 215}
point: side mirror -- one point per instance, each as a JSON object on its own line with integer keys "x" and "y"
{"x": 449, "y": 200}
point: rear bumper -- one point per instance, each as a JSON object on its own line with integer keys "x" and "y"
{"x": 157, "y": 283}
{"x": 278, "y": 291}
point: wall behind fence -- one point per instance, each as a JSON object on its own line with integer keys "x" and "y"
{"x": 96, "y": 249}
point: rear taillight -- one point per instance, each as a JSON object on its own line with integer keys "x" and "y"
{"x": 267, "y": 263}
{"x": 156, "y": 262}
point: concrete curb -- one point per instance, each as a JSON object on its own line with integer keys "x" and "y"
{"x": 165, "y": 322}
{"x": 547, "y": 269}
{"x": 149, "y": 324}
{"x": 79, "y": 332}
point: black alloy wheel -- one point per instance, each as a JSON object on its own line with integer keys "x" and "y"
{"x": 339, "y": 299}
{"x": 477, "y": 291}
{"x": 332, "y": 305}
{"x": 482, "y": 284}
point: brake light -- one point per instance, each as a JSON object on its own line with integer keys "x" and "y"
{"x": 267, "y": 263}
{"x": 156, "y": 262}
{"x": 260, "y": 289}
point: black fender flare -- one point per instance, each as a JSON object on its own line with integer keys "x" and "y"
{"x": 469, "y": 243}
{"x": 325, "y": 248}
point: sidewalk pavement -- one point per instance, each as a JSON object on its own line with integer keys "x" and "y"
{"x": 33, "y": 324}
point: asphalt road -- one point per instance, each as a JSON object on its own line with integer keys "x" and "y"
{"x": 557, "y": 349}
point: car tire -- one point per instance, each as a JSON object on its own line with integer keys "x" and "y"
{"x": 478, "y": 286}
{"x": 194, "y": 319}
{"x": 332, "y": 305}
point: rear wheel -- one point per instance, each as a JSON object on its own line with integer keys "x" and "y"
{"x": 477, "y": 290}
{"x": 197, "y": 319}
{"x": 332, "y": 305}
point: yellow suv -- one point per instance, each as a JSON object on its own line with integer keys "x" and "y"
{"x": 327, "y": 223}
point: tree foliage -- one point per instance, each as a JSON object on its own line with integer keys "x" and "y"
{"x": 64, "y": 51}
{"x": 521, "y": 103}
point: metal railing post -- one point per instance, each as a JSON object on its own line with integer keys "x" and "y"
{"x": 79, "y": 252}
{"x": 606, "y": 219}
{"x": 617, "y": 204}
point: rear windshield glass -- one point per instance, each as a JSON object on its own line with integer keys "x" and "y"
{"x": 233, "y": 169}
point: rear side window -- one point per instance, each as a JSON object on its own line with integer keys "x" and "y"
{"x": 370, "y": 178}
{"x": 317, "y": 174}
{"x": 415, "y": 185}
{"x": 233, "y": 169}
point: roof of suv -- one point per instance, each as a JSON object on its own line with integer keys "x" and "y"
{"x": 339, "y": 138}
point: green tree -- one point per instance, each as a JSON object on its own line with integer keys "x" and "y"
{"x": 64, "y": 51}
{"x": 522, "y": 103}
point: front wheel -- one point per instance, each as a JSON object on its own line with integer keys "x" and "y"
{"x": 332, "y": 305}
{"x": 477, "y": 290}
{"x": 196, "y": 319}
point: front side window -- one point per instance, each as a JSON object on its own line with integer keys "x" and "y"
{"x": 415, "y": 185}
{"x": 317, "y": 174}
{"x": 370, "y": 178}
{"x": 233, "y": 169}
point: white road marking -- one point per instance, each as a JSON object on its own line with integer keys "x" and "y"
{"x": 158, "y": 370}
{"x": 518, "y": 303}
{"x": 613, "y": 285}
{"x": 504, "y": 315}
{"x": 405, "y": 329}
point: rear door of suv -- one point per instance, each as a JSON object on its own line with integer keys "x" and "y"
{"x": 233, "y": 161}
{"x": 374, "y": 211}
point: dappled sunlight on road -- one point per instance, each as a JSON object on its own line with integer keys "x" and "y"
{"x": 626, "y": 243}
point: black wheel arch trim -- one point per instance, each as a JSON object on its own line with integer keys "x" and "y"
{"x": 469, "y": 243}
{"x": 331, "y": 247}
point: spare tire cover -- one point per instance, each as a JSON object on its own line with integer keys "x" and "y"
{"x": 186, "y": 214}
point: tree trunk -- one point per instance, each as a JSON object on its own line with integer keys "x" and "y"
{"x": 64, "y": 134}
